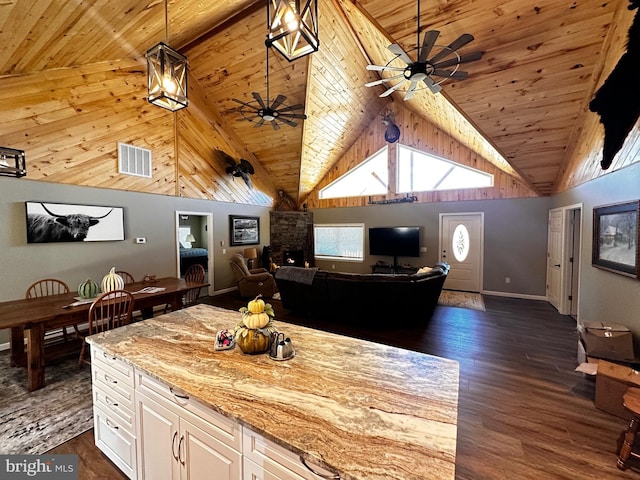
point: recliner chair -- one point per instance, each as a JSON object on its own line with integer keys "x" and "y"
{"x": 254, "y": 282}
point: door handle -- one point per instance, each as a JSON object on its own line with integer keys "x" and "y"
{"x": 557, "y": 265}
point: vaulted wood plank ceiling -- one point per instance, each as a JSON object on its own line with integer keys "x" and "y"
{"x": 527, "y": 97}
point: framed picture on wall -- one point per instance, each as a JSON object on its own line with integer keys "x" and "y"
{"x": 244, "y": 230}
{"x": 615, "y": 238}
{"x": 61, "y": 222}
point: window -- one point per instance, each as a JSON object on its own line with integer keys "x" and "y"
{"x": 419, "y": 171}
{"x": 339, "y": 241}
{"x": 368, "y": 178}
{"x": 182, "y": 236}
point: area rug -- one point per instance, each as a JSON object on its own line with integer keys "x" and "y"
{"x": 451, "y": 298}
{"x": 35, "y": 422}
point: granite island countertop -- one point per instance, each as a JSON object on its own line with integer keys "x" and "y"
{"x": 364, "y": 410}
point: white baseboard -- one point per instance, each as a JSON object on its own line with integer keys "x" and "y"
{"x": 514, "y": 295}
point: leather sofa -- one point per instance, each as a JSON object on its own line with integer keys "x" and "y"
{"x": 372, "y": 298}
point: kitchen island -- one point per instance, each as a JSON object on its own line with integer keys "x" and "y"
{"x": 362, "y": 410}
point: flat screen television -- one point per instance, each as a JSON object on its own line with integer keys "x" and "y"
{"x": 394, "y": 241}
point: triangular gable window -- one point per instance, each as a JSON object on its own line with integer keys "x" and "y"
{"x": 368, "y": 178}
{"x": 418, "y": 172}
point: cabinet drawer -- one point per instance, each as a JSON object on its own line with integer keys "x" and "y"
{"x": 277, "y": 460}
{"x": 113, "y": 439}
{"x": 115, "y": 404}
{"x": 112, "y": 366}
{"x": 224, "y": 429}
{"x": 112, "y": 381}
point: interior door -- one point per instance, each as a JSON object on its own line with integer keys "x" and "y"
{"x": 554, "y": 257}
{"x": 461, "y": 246}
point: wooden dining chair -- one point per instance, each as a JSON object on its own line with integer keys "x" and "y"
{"x": 44, "y": 288}
{"x": 126, "y": 276}
{"x": 110, "y": 310}
{"x": 194, "y": 274}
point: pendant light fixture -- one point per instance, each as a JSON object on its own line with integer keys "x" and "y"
{"x": 167, "y": 73}
{"x": 292, "y": 27}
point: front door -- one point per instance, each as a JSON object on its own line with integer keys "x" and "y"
{"x": 461, "y": 246}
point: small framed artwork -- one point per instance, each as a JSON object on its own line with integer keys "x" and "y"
{"x": 61, "y": 222}
{"x": 244, "y": 230}
{"x": 615, "y": 238}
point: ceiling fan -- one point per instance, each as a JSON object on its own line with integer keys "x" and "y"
{"x": 425, "y": 68}
{"x": 238, "y": 169}
{"x": 276, "y": 112}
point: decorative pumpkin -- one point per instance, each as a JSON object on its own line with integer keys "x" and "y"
{"x": 252, "y": 341}
{"x": 112, "y": 281}
{"x": 256, "y": 305}
{"x": 255, "y": 320}
{"x": 88, "y": 289}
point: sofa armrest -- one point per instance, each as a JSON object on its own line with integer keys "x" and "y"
{"x": 258, "y": 270}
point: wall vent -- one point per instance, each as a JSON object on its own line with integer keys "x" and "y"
{"x": 134, "y": 160}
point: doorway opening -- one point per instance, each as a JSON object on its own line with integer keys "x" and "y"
{"x": 194, "y": 243}
{"x": 563, "y": 259}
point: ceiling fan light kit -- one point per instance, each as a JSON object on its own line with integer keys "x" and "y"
{"x": 428, "y": 70}
{"x": 292, "y": 27}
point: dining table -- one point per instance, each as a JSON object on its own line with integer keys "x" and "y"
{"x": 37, "y": 315}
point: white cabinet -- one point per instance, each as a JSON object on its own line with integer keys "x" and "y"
{"x": 113, "y": 410}
{"x": 265, "y": 460}
{"x": 181, "y": 439}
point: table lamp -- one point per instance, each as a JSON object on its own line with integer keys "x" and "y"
{"x": 190, "y": 238}
{"x": 250, "y": 254}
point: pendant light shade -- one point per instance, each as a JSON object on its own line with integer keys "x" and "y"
{"x": 293, "y": 27}
{"x": 167, "y": 77}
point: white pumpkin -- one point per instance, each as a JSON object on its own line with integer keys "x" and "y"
{"x": 112, "y": 281}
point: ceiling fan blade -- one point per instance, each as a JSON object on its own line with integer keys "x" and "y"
{"x": 431, "y": 85}
{"x": 300, "y": 116}
{"x": 469, "y": 57}
{"x": 276, "y": 103}
{"x": 383, "y": 80}
{"x": 293, "y": 107}
{"x": 458, "y": 43}
{"x": 288, "y": 122}
{"x": 458, "y": 75}
{"x": 391, "y": 90}
{"x": 429, "y": 41}
{"x": 275, "y": 125}
{"x": 246, "y": 166}
{"x": 397, "y": 50}
{"x": 259, "y": 123}
{"x": 411, "y": 90}
{"x": 242, "y": 103}
{"x": 258, "y": 98}
{"x": 380, "y": 68}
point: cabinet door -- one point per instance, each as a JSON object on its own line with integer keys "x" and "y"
{"x": 204, "y": 457}
{"x": 159, "y": 440}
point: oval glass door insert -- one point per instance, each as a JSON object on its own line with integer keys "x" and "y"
{"x": 460, "y": 243}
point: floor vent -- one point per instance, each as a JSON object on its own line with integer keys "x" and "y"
{"x": 134, "y": 160}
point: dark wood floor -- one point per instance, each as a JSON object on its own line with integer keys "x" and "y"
{"x": 524, "y": 413}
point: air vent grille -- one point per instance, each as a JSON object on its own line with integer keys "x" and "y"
{"x": 134, "y": 160}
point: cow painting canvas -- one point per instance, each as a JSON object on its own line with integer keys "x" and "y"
{"x": 58, "y": 222}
